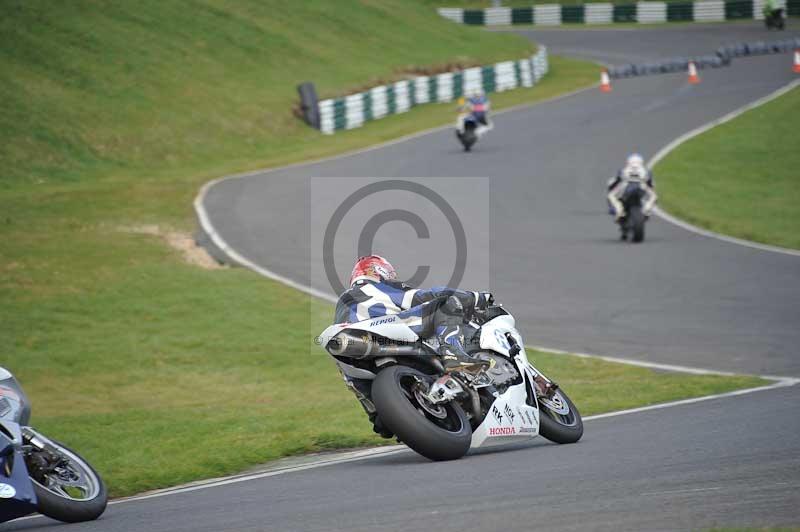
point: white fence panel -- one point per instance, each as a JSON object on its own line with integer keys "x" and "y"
{"x": 525, "y": 73}
{"x": 421, "y": 89}
{"x": 473, "y": 80}
{"x": 402, "y": 102}
{"x": 444, "y": 87}
{"x": 497, "y": 16}
{"x": 651, "y": 12}
{"x": 456, "y": 14}
{"x": 547, "y": 15}
{"x": 326, "y": 116}
{"x": 540, "y": 65}
{"x": 710, "y": 10}
{"x": 379, "y": 104}
{"x": 504, "y": 76}
{"x": 354, "y": 110}
{"x": 598, "y": 13}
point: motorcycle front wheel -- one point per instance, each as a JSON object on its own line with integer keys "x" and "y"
{"x": 559, "y": 420}
{"x": 436, "y": 431}
{"x": 70, "y": 490}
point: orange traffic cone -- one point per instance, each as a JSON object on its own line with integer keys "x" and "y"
{"x": 694, "y": 79}
{"x": 796, "y": 67}
{"x": 605, "y": 82}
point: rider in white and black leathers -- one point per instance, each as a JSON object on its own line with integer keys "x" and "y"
{"x": 442, "y": 312}
{"x": 634, "y": 170}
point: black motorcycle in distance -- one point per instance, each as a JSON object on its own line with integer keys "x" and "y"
{"x": 774, "y": 19}
{"x": 632, "y": 224}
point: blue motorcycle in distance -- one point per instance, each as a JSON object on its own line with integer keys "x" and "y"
{"x": 38, "y": 474}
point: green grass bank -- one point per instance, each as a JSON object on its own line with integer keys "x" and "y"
{"x": 112, "y": 115}
{"x": 740, "y": 178}
{"x": 114, "y": 89}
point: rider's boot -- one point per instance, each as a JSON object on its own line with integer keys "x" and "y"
{"x": 450, "y": 333}
{"x": 454, "y": 356}
{"x": 379, "y": 428}
{"x": 622, "y": 229}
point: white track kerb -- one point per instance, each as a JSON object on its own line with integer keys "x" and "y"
{"x": 352, "y": 456}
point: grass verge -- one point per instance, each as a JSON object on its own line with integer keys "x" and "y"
{"x": 740, "y": 178}
{"x": 113, "y": 115}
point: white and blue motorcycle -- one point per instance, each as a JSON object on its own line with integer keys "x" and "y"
{"x": 401, "y": 383}
{"x": 38, "y": 474}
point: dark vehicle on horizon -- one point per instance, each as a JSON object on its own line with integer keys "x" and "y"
{"x": 775, "y": 19}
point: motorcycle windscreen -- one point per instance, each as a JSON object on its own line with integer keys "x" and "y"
{"x": 17, "y": 497}
{"x": 14, "y": 405}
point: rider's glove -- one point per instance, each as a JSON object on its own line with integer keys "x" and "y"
{"x": 483, "y": 300}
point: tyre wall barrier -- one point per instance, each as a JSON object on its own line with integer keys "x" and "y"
{"x": 721, "y": 58}
{"x": 309, "y": 105}
{"x": 607, "y": 13}
{"x": 352, "y": 111}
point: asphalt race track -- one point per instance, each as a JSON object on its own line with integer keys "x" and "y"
{"x": 678, "y": 298}
{"x": 557, "y": 262}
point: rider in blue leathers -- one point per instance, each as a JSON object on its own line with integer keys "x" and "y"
{"x": 374, "y": 291}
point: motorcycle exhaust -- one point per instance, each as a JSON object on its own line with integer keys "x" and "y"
{"x": 357, "y": 344}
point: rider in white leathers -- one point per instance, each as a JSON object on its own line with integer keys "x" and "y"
{"x": 633, "y": 171}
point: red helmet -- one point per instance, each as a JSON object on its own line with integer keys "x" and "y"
{"x": 372, "y": 267}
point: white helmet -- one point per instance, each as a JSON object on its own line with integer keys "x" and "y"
{"x": 634, "y": 159}
{"x": 634, "y": 168}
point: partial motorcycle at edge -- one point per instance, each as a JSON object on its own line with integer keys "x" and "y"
{"x": 38, "y": 474}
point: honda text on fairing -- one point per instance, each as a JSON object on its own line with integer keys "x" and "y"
{"x": 439, "y": 414}
{"x": 38, "y": 474}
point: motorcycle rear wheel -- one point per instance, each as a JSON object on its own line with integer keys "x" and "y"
{"x": 636, "y": 221}
{"x": 438, "y": 432}
{"x": 468, "y": 138}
